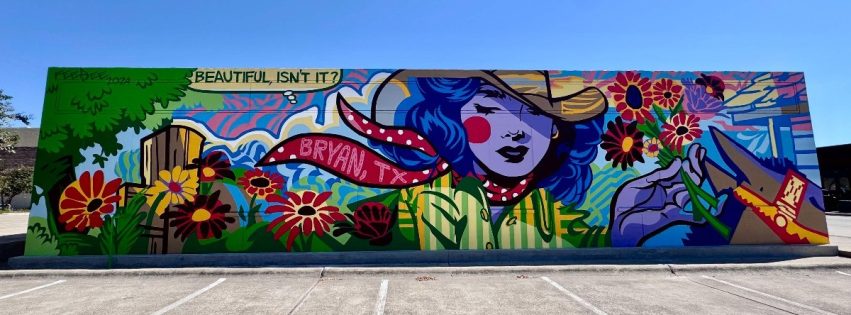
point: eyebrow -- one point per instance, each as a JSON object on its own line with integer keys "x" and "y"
{"x": 491, "y": 92}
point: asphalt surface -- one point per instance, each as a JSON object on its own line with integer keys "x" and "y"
{"x": 807, "y": 286}
{"x": 13, "y": 223}
{"x": 839, "y": 229}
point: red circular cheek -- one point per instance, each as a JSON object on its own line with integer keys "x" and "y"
{"x": 478, "y": 129}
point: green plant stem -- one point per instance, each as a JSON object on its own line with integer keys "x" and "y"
{"x": 711, "y": 200}
{"x": 305, "y": 244}
{"x": 700, "y": 210}
{"x": 251, "y": 211}
{"x": 659, "y": 113}
{"x": 153, "y": 210}
{"x": 205, "y": 188}
{"x": 411, "y": 203}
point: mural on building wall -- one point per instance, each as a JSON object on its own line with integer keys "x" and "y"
{"x": 156, "y": 161}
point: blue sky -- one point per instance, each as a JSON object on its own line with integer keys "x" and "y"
{"x": 812, "y": 36}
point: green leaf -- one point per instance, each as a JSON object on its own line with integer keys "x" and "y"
{"x": 660, "y": 114}
{"x": 446, "y": 214}
{"x": 678, "y": 108}
{"x": 444, "y": 241}
{"x": 460, "y": 228}
{"x": 544, "y": 215}
{"x": 444, "y": 197}
{"x": 649, "y": 129}
{"x": 665, "y": 157}
{"x": 473, "y": 187}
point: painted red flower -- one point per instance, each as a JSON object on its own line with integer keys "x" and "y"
{"x": 303, "y": 213}
{"x": 632, "y": 96}
{"x": 371, "y": 221}
{"x": 212, "y": 167}
{"x": 667, "y": 93}
{"x": 205, "y": 216}
{"x": 84, "y": 201}
{"x": 713, "y": 85}
{"x": 680, "y": 130}
{"x": 260, "y": 183}
{"x": 623, "y": 143}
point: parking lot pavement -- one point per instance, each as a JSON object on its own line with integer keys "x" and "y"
{"x": 535, "y": 291}
{"x": 13, "y": 223}
{"x": 839, "y": 229}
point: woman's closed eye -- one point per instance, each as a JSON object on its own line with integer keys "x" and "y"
{"x": 534, "y": 111}
{"x": 481, "y": 109}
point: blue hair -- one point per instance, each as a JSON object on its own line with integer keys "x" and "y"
{"x": 437, "y": 117}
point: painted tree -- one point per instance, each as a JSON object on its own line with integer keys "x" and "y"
{"x": 89, "y": 107}
{"x": 14, "y": 181}
{"x": 7, "y": 116}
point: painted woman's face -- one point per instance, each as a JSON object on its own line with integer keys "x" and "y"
{"x": 506, "y": 136}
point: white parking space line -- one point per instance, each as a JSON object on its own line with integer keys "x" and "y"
{"x": 189, "y": 297}
{"x": 804, "y": 306}
{"x": 382, "y": 298}
{"x": 575, "y": 297}
{"x": 844, "y": 273}
{"x": 32, "y": 289}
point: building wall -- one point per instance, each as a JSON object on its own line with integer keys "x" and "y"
{"x": 254, "y": 160}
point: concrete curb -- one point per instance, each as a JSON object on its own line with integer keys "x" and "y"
{"x": 314, "y": 271}
{"x": 586, "y": 256}
{"x": 804, "y": 264}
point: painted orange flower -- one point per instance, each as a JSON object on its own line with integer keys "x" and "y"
{"x": 260, "y": 183}
{"x": 632, "y": 96}
{"x": 680, "y": 130}
{"x": 303, "y": 213}
{"x": 667, "y": 93}
{"x": 623, "y": 143}
{"x": 176, "y": 186}
{"x": 84, "y": 201}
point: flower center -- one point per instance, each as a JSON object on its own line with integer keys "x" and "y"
{"x": 681, "y": 130}
{"x": 260, "y": 182}
{"x": 201, "y": 215}
{"x": 174, "y": 187}
{"x": 306, "y": 211}
{"x": 94, "y": 205}
{"x": 668, "y": 94}
{"x": 653, "y": 147}
{"x": 208, "y": 172}
{"x": 633, "y": 97}
{"x": 627, "y": 143}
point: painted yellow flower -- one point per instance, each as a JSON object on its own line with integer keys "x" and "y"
{"x": 651, "y": 147}
{"x": 176, "y": 186}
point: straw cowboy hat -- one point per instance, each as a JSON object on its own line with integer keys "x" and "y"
{"x": 575, "y": 103}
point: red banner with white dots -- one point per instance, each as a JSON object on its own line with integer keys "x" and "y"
{"x": 353, "y": 161}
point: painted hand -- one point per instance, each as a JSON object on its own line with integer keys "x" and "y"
{"x": 650, "y": 203}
